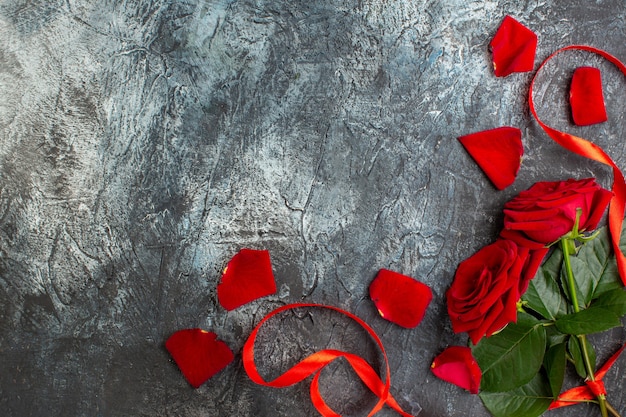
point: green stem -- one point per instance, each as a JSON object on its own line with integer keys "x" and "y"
{"x": 565, "y": 246}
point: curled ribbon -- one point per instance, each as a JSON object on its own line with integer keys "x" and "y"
{"x": 314, "y": 363}
{"x": 592, "y": 151}
{"x": 591, "y": 389}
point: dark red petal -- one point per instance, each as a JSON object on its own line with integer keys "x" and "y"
{"x": 198, "y": 354}
{"x": 400, "y": 299}
{"x": 585, "y": 97}
{"x": 513, "y": 48}
{"x": 247, "y": 276}
{"x": 457, "y": 366}
{"x": 498, "y": 152}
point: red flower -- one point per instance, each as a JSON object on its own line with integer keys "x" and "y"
{"x": 546, "y": 211}
{"x": 247, "y": 276}
{"x": 585, "y": 97}
{"x": 400, "y": 299}
{"x": 483, "y": 297}
{"x": 457, "y": 366}
{"x": 513, "y": 48}
{"x": 198, "y": 354}
{"x": 498, "y": 152}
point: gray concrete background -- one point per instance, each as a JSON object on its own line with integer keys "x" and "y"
{"x": 142, "y": 143}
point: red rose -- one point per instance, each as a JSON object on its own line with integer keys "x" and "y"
{"x": 483, "y": 296}
{"x": 546, "y": 211}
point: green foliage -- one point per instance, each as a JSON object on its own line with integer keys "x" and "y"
{"x": 529, "y": 400}
{"x": 525, "y": 364}
{"x": 519, "y": 347}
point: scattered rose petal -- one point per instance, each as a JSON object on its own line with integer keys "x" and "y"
{"x": 198, "y": 354}
{"x": 585, "y": 97}
{"x": 498, "y": 152}
{"x": 400, "y": 299}
{"x": 457, "y": 366}
{"x": 247, "y": 276}
{"x": 513, "y": 48}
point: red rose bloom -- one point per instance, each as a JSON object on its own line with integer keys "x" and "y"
{"x": 546, "y": 211}
{"x": 483, "y": 297}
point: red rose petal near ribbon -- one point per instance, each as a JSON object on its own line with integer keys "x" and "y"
{"x": 198, "y": 354}
{"x": 592, "y": 151}
{"x": 247, "y": 276}
{"x": 585, "y": 97}
{"x": 498, "y": 152}
{"x": 313, "y": 365}
{"x": 513, "y": 48}
{"x": 400, "y": 299}
{"x": 591, "y": 390}
{"x": 457, "y": 366}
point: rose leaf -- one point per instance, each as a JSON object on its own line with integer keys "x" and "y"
{"x": 400, "y": 299}
{"x": 544, "y": 294}
{"x": 529, "y": 400}
{"x": 586, "y": 98}
{"x": 247, "y": 276}
{"x": 554, "y": 363}
{"x": 614, "y": 301}
{"x": 198, "y": 354}
{"x": 498, "y": 152}
{"x": 573, "y": 347}
{"x": 584, "y": 284}
{"x": 511, "y": 358}
{"x": 592, "y": 320}
{"x": 513, "y": 48}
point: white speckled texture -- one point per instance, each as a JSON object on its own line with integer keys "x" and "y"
{"x": 142, "y": 143}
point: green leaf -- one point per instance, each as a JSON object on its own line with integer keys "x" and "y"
{"x": 598, "y": 255}
{"x": 574, "y": 349}
{"x": 614, "y": 300}
{"x": 582, "y": 280}
{"x": 544, "y": 296}
{"x": 511, "y": 358}
{"x": 591, "y": 320}
{"x": 554, "y": 362}
{"x": 529, "y": 400}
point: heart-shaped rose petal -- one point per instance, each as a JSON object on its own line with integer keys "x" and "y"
{"x": 513, "y": 48}
{"x": 498, "y": 152}
{"x": 247, "y": 276}
{"x": 586, "y": 98}
{"x": 198, "y": 354}
{"x": 400, "y": 299}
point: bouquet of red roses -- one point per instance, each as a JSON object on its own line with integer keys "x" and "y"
{"x": 524, "y": 330}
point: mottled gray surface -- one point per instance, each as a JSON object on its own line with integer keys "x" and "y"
{"x": 142, "y": 143}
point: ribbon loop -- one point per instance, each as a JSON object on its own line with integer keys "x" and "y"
{"x": 592, "y": 151}
{"x": 314, "y": 363}
{"x": 597, "y": 387}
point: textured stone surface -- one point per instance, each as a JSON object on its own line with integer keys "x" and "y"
{"x": 142, "y": 143}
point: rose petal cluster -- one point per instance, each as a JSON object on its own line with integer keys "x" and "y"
{"x": 547, "y": 211}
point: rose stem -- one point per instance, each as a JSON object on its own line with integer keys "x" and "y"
{"x": 565, "y": 246}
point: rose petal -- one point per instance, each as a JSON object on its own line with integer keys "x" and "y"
{"x": 513, "y": 48}
{"x": 198, "y": 354}
{"x": 247, "y": 276}
{"x": 400, "y": 299}
{"x": 585, "y": 97}
{"x": 457, "y": 366}
{"x": 498, "y": 152}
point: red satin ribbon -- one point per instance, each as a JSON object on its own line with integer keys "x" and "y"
{"x": 591, "y": 390}
{"x": 313, "y": 365}
{"x": 592, "y": 151}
